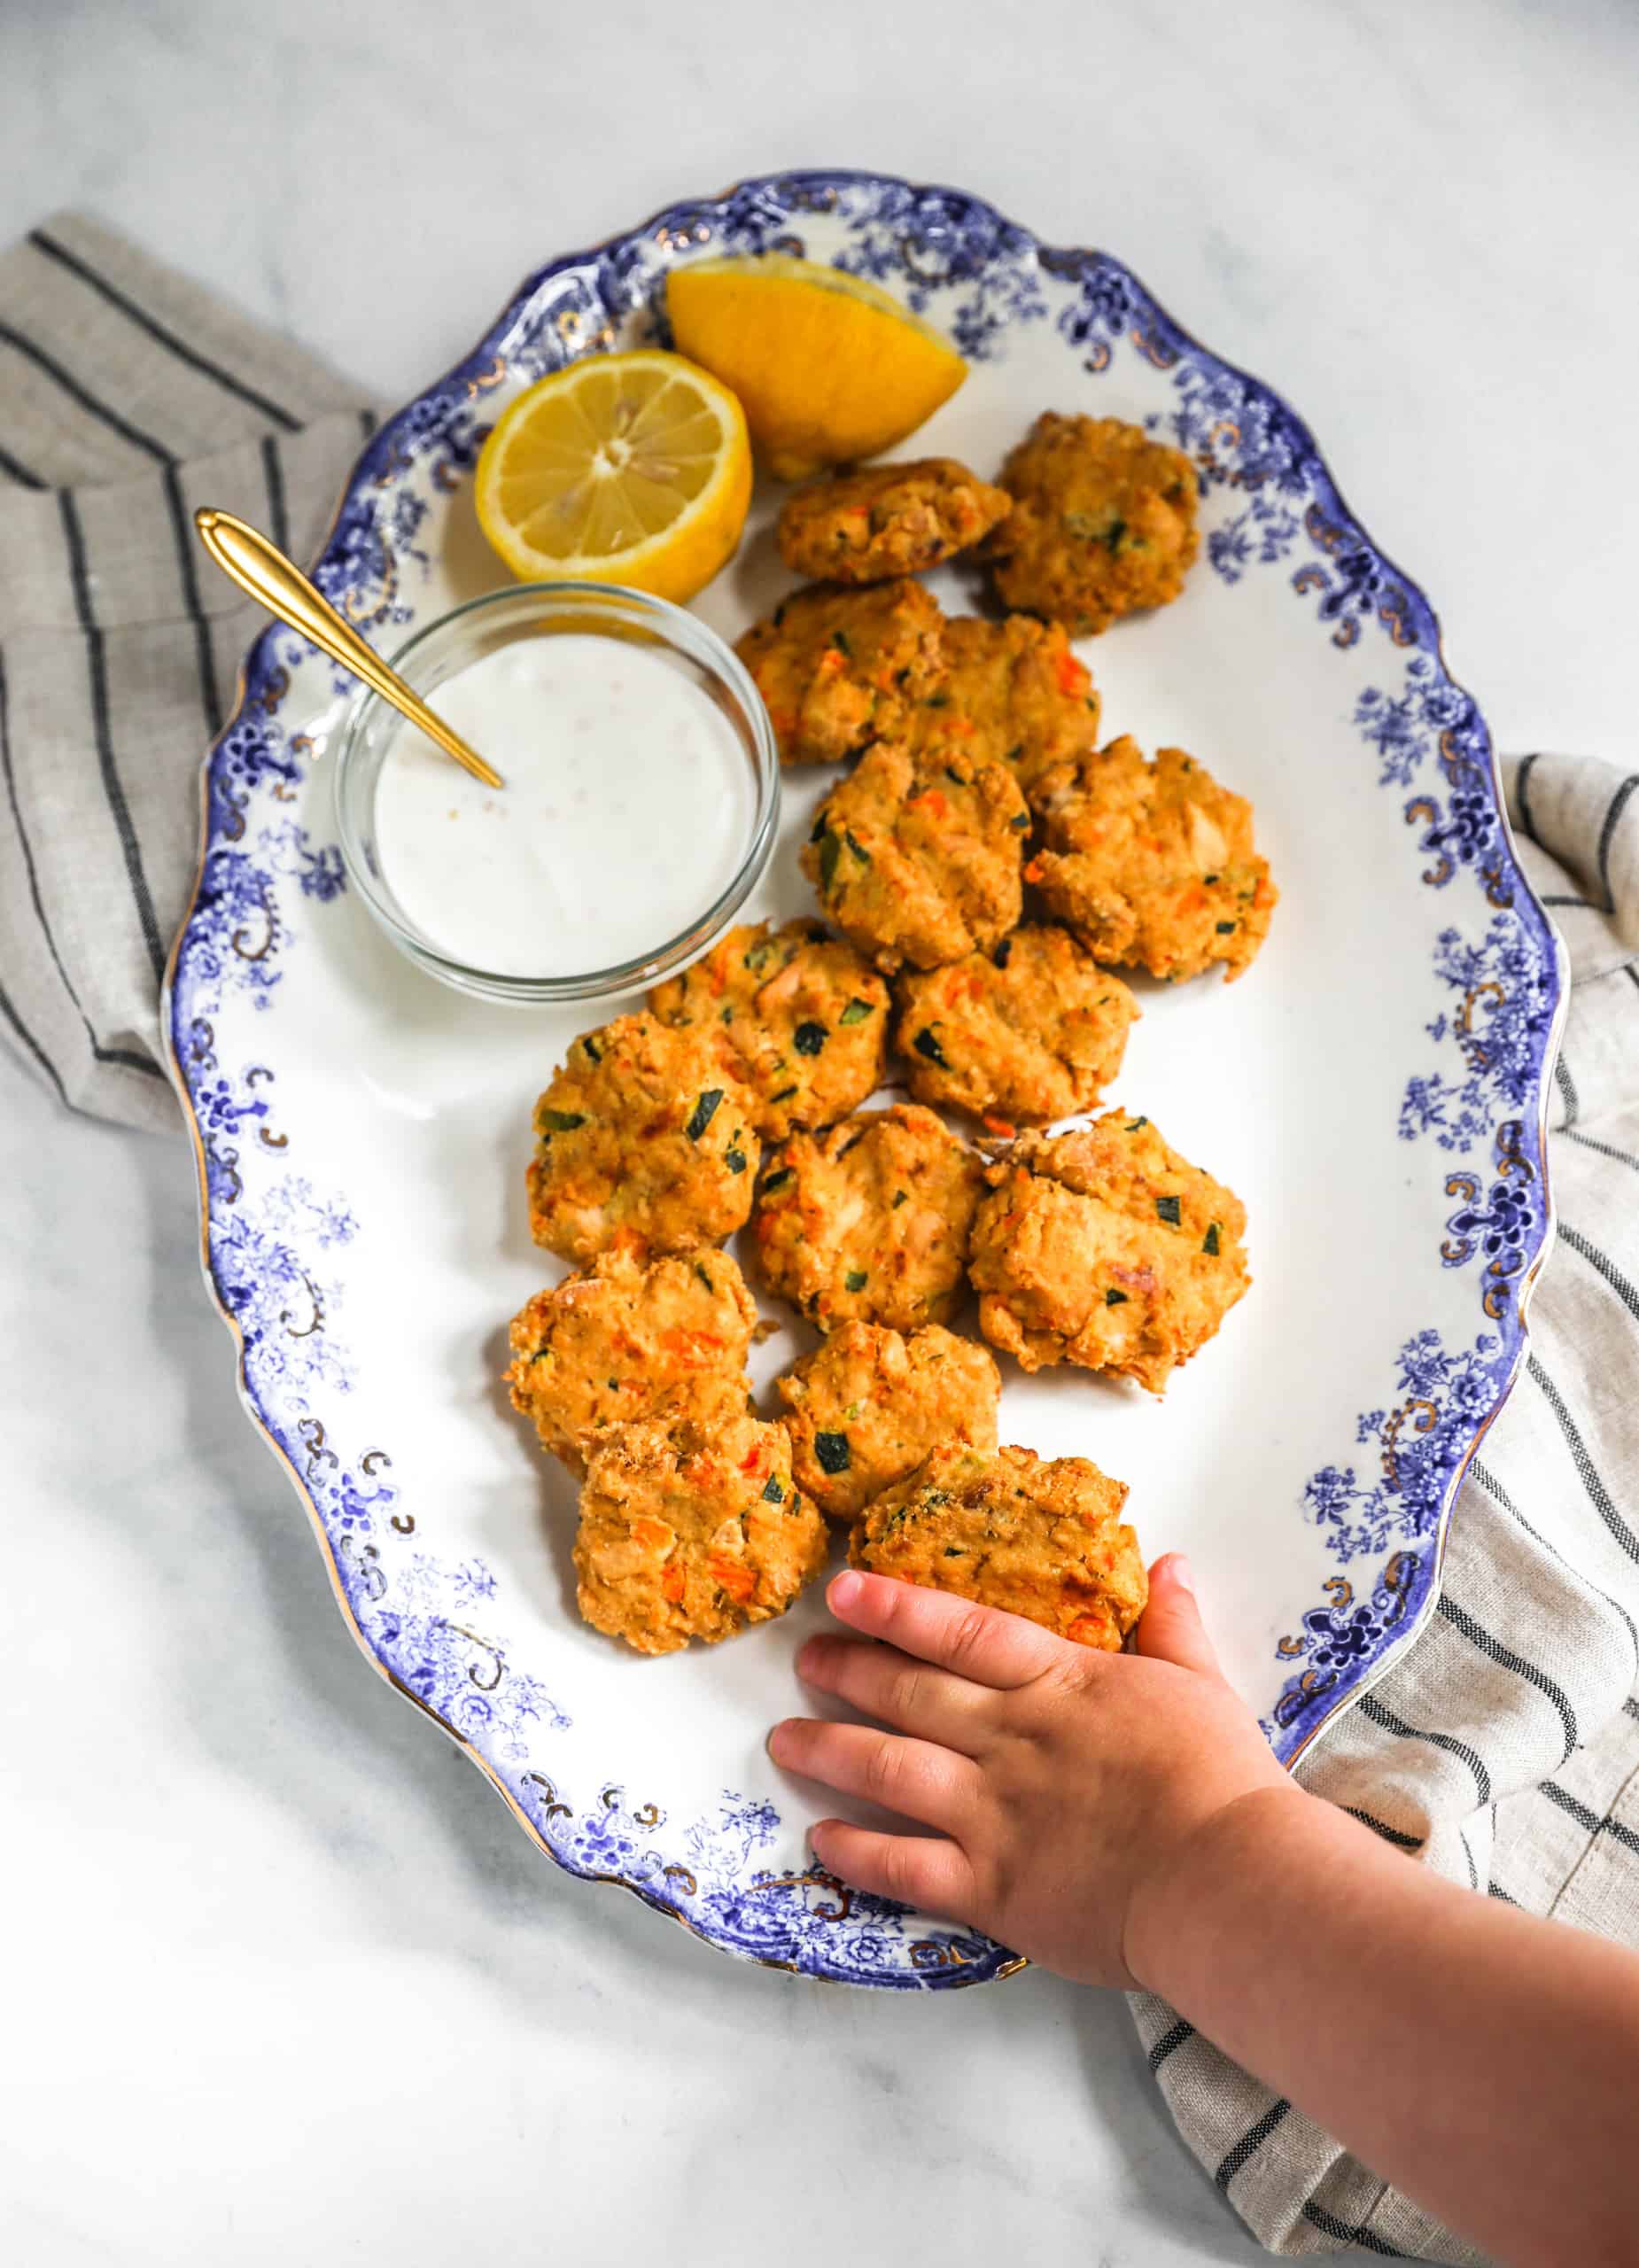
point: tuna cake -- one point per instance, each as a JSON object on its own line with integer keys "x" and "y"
{"x": 1012, "y": 691}
{"x": 691, "y": 1526}
{"x": 866, "y": 1408}
{"x": 1103, "y": 523}
{"x": 1105, "y": 1248}
{"x": 1151, "y": 865}
{"x": 642, "y": 1141}
{"x": 839, "y": 668}
{"x": 1031, "y": 1536}
{"x": 1031, "y": 1030}
{"x": 920, "y": 861}
{"x": 887, "y": 520}
{"x": 870, "y": 1223}
{"x": 607, "y": 1345}
{"x": 799, "y": 1017}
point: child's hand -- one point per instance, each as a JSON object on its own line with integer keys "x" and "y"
{"x": 1121, "y": 1818}
{"x": 1063, "y": 1785}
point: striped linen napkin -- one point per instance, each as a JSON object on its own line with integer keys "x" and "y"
{"x": 1502, "y": 1749}
{"x": 127, "y": 396}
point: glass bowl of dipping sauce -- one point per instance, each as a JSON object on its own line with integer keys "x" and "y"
{"x": 641, "y": 802}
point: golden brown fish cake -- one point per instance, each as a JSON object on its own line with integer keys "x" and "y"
{"x": 887, "y": 520}
{"x": 602, "y": 1347}
{"x": 691, "y": 1526}
{"x": 865, "y": 1409}
{"x": 921, "y": 863}
{"x": 1105, "y": 1248}
{"x": 1033, "y": 1030}
{"x": 643, "y": 1142}
{"x": 1010, "y": 690}
{"x": 870, "y": 1223}
{"x": 837, "y": 668}
{"x": 1034, "y": 1537}
{"x": 1103, "y": 522}
{"x": 799, "y": 1017}
{"x": 1152, "y": 864}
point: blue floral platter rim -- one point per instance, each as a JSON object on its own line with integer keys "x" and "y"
{"x": 1484, "y": 1105}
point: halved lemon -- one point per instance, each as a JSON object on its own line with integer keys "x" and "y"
{"x": 621, "y": 468}
{"x": 828, "y": 367}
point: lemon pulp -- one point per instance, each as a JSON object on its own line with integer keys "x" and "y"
{"x": 632, "y": 468}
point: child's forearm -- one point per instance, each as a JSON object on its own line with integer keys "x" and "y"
{"x": 1414, "y": 2019}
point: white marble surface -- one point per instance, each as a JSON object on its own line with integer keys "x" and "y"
{"x": 280, "y": 1980}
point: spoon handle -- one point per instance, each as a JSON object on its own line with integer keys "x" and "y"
{"x": 260, "y": 569}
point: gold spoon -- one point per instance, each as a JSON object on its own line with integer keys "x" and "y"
{"x": 260, "y": 568}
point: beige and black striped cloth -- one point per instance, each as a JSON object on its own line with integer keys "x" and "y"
{"x": 128, "y": 397}
{"x": 1502, "y": 1749}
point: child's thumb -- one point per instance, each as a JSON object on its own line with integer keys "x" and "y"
{"x": 1171, "y": 1629}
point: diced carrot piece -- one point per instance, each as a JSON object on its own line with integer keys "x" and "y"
{"x": 731, "y": 1575}
{"x": 654, "y": 1535}
{"x": 1073, "y": 678}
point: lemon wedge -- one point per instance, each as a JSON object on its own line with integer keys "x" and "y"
{"x": 629, "y": 469}
{"x": 828, "y": 367}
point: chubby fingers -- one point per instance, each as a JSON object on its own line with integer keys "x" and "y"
{"x": 925, "y": 1871}
{"x": 912, "y": 1696}
{"x": 1171, "y": 1629}
{"x": 979, "y": 1643}
{"x": 913, "y": 1777}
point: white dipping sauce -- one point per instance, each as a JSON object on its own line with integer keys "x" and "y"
{"x": 627, "y": 808}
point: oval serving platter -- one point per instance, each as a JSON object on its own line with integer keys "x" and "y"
{"x": 1374, "y": 1088}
